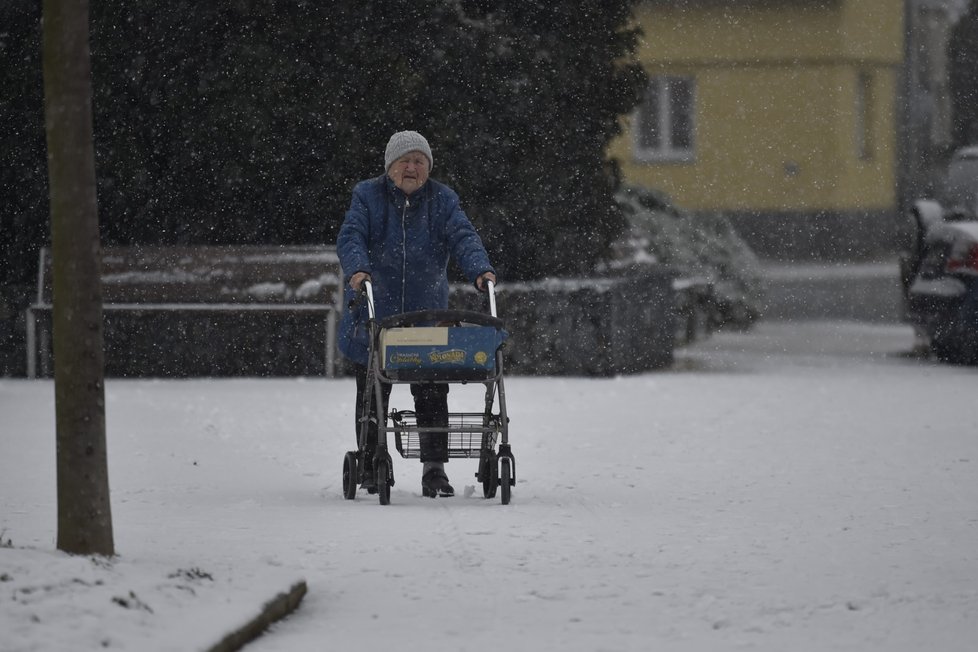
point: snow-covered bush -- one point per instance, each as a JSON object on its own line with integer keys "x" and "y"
{"x": 720, "y": 279}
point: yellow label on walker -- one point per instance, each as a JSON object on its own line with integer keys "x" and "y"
{"x": 455, "y": 356}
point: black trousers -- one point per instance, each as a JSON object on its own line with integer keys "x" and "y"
{"x": 430, "y": 406}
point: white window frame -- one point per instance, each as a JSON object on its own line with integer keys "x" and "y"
{"x": 665, "y": 150}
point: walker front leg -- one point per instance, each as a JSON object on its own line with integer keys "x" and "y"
{"x": 383, "y": 464}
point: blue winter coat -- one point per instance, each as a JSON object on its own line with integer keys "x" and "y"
{"x": 404, "y": 243}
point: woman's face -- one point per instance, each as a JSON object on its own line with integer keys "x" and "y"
{"x": 409, "y": 172}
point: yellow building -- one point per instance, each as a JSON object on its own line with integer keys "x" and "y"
{"x": 780, "y": 113}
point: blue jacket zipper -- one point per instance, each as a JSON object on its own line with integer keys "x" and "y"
{"x": 407, "y": 203}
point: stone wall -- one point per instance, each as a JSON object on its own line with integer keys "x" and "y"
{"x": 13, "y": 354}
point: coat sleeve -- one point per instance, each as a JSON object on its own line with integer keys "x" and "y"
{"x": 351, "y": 243}
{"x": 464, "y": 242}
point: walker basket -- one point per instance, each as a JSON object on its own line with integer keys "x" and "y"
{"x": 468, "y": 434}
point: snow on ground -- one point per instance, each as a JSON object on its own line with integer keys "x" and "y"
{"x": 798, "y": 487}
{"x": 52, "y": 601}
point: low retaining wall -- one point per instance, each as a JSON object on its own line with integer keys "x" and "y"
{"x": 585, "y": 327}
{"x": 588, "y": 327}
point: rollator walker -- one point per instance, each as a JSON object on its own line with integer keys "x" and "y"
{"x": 434, "y": 346}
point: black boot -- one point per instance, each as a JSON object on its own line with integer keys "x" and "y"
{"x": 434, "y": 481}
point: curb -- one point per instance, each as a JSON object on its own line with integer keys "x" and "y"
{"x": 275, "y": 609}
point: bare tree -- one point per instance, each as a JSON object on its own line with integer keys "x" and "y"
{"x": 84, "y": 514}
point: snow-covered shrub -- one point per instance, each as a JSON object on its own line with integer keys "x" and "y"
{"x": 719, "y": 275}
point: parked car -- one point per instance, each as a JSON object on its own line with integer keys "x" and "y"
{"x": 940, "y": 264}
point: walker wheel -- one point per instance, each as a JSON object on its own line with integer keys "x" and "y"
{"x": 490, "y": 474}
{"x": 350, "y": 476}
{"x": 505, "y": 477}
{"x": 382, "y": 475}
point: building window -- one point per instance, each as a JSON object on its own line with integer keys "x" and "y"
{"x": 665, "y": 122}
{"x": 863, "y": 112}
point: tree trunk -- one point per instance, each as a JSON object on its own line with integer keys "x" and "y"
{"x": 84, "y": 514}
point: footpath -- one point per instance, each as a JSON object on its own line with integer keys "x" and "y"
{"x": 838, "y": 291}
{"x": 54, "y": 601}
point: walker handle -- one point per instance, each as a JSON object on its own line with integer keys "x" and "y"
{"x": 368, "y": 289}
{"x": 491, "y": 288}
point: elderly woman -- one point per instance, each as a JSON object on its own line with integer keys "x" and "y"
{"x": 399, "y": 233}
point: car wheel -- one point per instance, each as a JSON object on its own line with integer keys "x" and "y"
{"x": 950, "y": 344}
{"x": 944, "y": 349}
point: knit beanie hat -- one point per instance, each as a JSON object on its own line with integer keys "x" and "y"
{"x": 403, "y": 142}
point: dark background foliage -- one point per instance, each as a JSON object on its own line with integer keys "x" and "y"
{"x": 249, "y": 121}
{"x": 23, "y": 164}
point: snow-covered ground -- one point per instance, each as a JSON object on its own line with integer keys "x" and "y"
{"x": 804, "y": 486}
